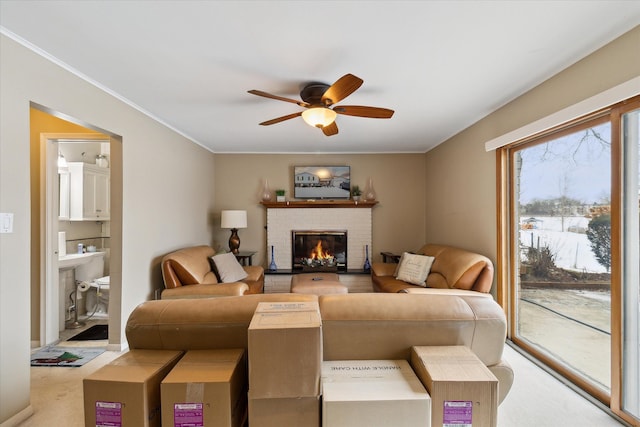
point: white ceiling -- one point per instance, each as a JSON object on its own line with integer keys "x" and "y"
{"x": 441, "y": 65}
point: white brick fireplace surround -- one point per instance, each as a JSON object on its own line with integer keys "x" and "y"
{"x": 281, "y": 221}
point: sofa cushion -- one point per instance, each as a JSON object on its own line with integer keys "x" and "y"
{"x": 202, "y": 290}
{"x": 440, "y": 291}
{"x": 385, "y": 326}
{"x": 414, "y": 269}
{"x": 192, "y": 324}
{"x": 228, "y": 268}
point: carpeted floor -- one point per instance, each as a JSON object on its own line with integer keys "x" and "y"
{"x": 536, "y": 399}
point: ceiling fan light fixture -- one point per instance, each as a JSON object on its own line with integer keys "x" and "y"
{"x": 318, "y": 98}
{"x": 319, "y": 117}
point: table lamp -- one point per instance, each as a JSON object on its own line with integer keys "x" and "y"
{"x": 234, "y": 220}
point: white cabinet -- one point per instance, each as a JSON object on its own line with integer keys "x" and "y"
{"x": 89, "y": 192}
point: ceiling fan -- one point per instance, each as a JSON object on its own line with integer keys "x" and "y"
{"x": 318, "y": 98}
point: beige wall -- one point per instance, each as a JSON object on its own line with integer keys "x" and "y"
{"x": 164, "y": 202}
{"x": 399, "y": 181}
{"x": 461, "y": 194}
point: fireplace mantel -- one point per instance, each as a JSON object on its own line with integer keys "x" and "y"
{"x": 319, "y": 204}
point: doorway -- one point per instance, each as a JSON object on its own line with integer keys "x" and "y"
{"x": 83, "y": 230}
{"x": 57, "y": 133}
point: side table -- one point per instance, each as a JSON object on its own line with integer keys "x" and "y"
{"x": 245, "y": 258}
{"x": 390, "y": 257}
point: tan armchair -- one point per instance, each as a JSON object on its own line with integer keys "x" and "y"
{"x": 188, "y": 273}
{"x": 453, "y": 268}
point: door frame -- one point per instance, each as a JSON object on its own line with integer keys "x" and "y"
{"x": 49, "y": 211}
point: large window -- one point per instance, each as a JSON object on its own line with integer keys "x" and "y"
{"x": 570, "y": 242}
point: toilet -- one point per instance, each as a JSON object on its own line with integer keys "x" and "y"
{"x": 97, "y": 298}
{"x": 96, "y": 295}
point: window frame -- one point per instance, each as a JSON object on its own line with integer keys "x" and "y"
{"x": 507, "y": 257}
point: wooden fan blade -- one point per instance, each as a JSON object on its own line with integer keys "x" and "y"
{"x": 281, "y": 119}
{"x": 342, "y": 88}
{"x": 360, "y": 111}
{"x": 331, "y": 129}
{"x": 279, "y": 98}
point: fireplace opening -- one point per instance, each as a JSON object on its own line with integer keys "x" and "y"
{"x": 315, "y": 251}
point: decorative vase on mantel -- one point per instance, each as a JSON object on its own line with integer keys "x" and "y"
{"x": 273, "y": 266}
{"x": 367, "y": 264}
{"x": 370, "y": 192}
{"x": 266, "y": 193}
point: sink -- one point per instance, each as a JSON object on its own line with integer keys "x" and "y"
{"x": 74, "y": 260}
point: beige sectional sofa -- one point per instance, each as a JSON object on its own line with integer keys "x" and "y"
{"x": 360, "y": 326}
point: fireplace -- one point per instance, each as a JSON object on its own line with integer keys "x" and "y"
{"x": 316, "y": 251}
{"x": 283, "y": 219}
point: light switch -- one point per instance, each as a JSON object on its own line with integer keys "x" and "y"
{"x": 6, "y": 222}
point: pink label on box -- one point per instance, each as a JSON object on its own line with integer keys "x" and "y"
{"x": 457, "y": 414}
{"x": 108, "y": 414}
{"x": 188, "y": 415}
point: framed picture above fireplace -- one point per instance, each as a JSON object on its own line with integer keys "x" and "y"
{"x": 321, "y": 182}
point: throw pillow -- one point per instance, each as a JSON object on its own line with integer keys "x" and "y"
{"x": 228, "y": 267}
{"x": 414, "y": 269}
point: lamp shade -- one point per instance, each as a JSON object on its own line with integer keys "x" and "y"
{"x": 233, "y": 219}
{"x": 319, "y": 116}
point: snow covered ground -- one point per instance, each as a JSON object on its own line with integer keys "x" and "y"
{"x": 572, "y": 250}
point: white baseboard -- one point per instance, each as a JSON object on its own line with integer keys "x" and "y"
{"x": 18, "y": 418}
{"x": 115, "y": 347}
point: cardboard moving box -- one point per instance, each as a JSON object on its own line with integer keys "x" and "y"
{"x": 464, "y": 392}
{"x": 284, "y": 411}
{"x": 285, "y": 350}
{"x": 206, "y": 388}
{"x": 373, "y": 393}
{"x": 279, "y": 307}
{"x": 126, "y": 392}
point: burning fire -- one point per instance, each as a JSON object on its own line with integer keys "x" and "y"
{"x": 320, "y": 253}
